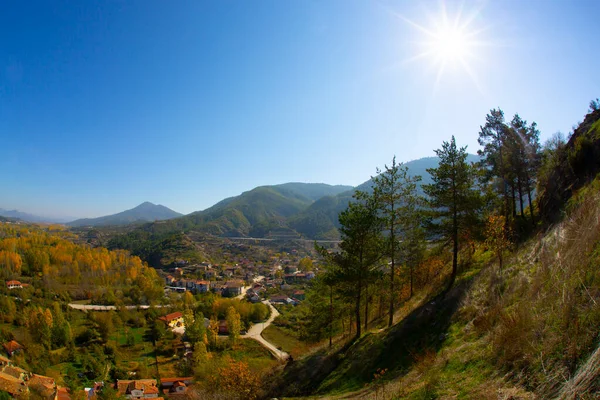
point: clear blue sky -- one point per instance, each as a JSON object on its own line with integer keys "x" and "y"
{"x": 104, "y": 105}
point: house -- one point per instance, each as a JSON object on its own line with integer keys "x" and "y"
{"x": 281, "y": 300}
{"x": 16, "y": 372}
{"x": 173, "y": 320}
{"x": 299, "y": 295}
{"x": 201, "y": 286}
{"x": 169, "y": 280}
{"x": 63, "y": 393}
{"x": 137, "y": 389}
{"x": 13, "y": 386}
{"x": 92, "y": 393}
{"x": 44, "y": 386}
{"x": 14, "y": 285}
{"x": 19, "y": 383}
{"x": 233, "y": 288}
{"x": 11, "y": 348}
{"x": 211, "y": 273}
{"x": 176, "y": 385}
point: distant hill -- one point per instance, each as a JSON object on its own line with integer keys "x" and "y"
{"x": 145, "y": 212}
{"x": 320, "y": 219}
{"x": 256, "y": 212}
{"x": 23, "y": 216}
{"x": 314, "y": 191}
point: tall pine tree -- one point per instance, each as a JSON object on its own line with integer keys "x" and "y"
{"x": 452, "y": 198}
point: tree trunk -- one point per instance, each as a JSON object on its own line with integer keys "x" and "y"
{"x": 528, "y": 184}
{"x": 454, "y": 240}
{"x": 366, "y": 307}
{"x": 514, "y": 200}
{"x": 358, "y": 295}
{"x": 411, "y": 281}
{"x": 330, "y": 314}
{"x": 520, "y": 189}
{"x": 392, "y": 269}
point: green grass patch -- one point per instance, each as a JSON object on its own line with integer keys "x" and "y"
{"x": 286, "y": 341}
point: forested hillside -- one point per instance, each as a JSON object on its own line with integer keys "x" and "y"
{"x": 501, "y": 305}
{"x": 48, "y": 260}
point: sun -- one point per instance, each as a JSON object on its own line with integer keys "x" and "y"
{"x": 450, "y": 44}
{"x": 449, "y": 41}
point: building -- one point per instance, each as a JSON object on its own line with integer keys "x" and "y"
{"x": 233, "y": 288}
{"x": 201, "y": 286}
{"x": 137, "y": 389}
{"x": 11, "y": 348}
{"x": 175, "y": 385}
{"x": 299, "y": 295}
{"x": 173, "y": 320}
{"x": 14, "y": 285}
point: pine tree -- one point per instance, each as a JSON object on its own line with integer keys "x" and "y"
{"x": 452, "y": 198}
{"x": 395, "y": 192}
{"x": 353, "y": 267}
{"x": 493, "y": 138}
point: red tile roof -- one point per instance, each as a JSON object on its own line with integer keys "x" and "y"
{"x": 12, "y": 346}
{"x": 172, "y": 316}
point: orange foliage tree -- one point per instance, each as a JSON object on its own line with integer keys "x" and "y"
{"x": 235, "y": 379}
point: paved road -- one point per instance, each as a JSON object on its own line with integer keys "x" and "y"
{"x": 93, "y": 307}
{"x": 257, "y": 329}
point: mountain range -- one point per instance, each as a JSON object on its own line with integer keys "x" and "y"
{"x": 23, "y": 216}
{"x": 145, "y": 212}
{"x": 289, "y": 210}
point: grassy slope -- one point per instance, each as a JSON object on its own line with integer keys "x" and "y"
{"x": 523, "y": 332}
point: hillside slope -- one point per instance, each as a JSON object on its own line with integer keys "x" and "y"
{"x": 528, "y": 331}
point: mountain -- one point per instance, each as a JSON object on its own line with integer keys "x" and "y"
{"x": 145, "y": 212}
{"x": 320, "y": 219}
{"x": 314, "y": 191}
{"x": 257, "y": 212}
{"x": 16, "y": 214}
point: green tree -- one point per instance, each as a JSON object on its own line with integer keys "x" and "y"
{"x": 305, "y": 264}
{"x": 452, "y": 198}
{"x": 353, "y": 267}
{"x": 234, "y": 324}
{"x": 396, "y": 195}
{"x": 493, "y": 137}
{"x": 195, "y": 329}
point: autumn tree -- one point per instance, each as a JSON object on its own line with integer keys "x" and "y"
{"x": 236, "y": 380}
{"x": 305, "y": 264}
{"x": 234, "y": 324}
{"x": 452, "y": 198}
{"x": 497, "y": 236}
{"x": 213, "y": 331}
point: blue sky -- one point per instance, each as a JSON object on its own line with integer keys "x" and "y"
{"x": 104, "y": 105}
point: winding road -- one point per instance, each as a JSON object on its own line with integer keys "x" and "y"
{"x": 257, "y": 329}
{"x": 94, "y": 307}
